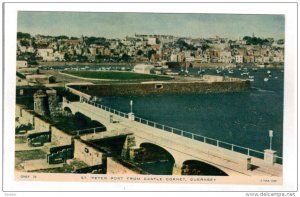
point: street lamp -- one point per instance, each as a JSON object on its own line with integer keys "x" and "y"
{"x": 271, "y": 136}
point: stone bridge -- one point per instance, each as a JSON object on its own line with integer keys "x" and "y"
{"x": 182, "y": 149}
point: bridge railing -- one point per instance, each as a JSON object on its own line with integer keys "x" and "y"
{"x": 279, "y": 160}
{"x": 204, "y": 139}
{"x": 207, "y": 140}
{"x": 108, "y": 109}
{"x": 88, "y": 131}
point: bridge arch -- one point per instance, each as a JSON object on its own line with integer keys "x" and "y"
{"x": 156, "y": 159}
{"x": 67, "y": 111}
{"x": 82, "y": 119}
{"x": 95, "y": 123}
{"x": 196, "y": 167}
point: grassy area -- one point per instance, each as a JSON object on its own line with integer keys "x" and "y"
{"x": 30, "y": 155}
{"x": 67, "y": 168}
{"x": 20, "y": 139}
{"x": 113, "y": 75}
{"x": 21, "y": 156}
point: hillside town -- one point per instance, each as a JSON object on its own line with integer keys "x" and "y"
{"x": 247, "y": 50}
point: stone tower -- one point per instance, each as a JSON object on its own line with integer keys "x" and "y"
{"x": 40, "y": 103}
{"x": 52, "y": 102}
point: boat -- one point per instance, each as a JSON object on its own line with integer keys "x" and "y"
{"x": 266, "y": 79}
{"x": 200, "y": 71}
{"x": 245, "y": 73}
{"x": 251, "y": 77}
{"x": 269, "y": 72}
{"x": 230, "y": 71}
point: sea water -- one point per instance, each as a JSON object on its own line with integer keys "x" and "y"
{"x": 241, "y": 118}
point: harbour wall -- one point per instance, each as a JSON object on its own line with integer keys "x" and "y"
{"x": 60, "y": 137}
{"x": 114, "y": 167}
{"x": 162, "y": 88}
{"x": 87, "y": 153}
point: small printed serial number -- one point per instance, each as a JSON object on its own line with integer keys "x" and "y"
{"x": 268, "y": 180}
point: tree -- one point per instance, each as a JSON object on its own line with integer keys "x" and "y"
{"x": 98, "y": 57}
{"x": 25, "y": 43}
{"x": 67, "y": 57}
{"x": 62, "y": 37}
{"x": 204, "y": 47}
{"x": 125, "y": 57}
{"x": 256, "y": 41}
{"x": 140, "y": 52}
{"x": 150, "y": 53}
{"x": 73, "y": 38}
{"x": 95, "y": 40}
{"x": 21, "y": 35}
{"x": 29, "y": 57}
{"x": 82, "y": 58}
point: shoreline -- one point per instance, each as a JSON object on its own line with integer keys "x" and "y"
{"x": 175, "y": 64}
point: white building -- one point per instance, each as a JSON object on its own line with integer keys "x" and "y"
{"x": 266, "y": 59}
{"x": 238, "y": 59}
{"x": 190, "y": 59}
{"x": 93, "y": 50}
{"x": 21, "y": 82}
{"x": 225, "y": 57}
{"x": 59, "y": 56}
{"x": 143, "y": 68}
{"x": 22, "y": 49}
{"x": 30, "y": 50}
{"x": 258, "y": 59}
{"x": 46, "y": 54}
{"x": 173, "y": 58}
{"x": 151, "y": 41}
{"x": 22, "y": 64}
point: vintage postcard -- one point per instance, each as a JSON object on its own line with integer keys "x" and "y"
{"x": 127, "y": 97}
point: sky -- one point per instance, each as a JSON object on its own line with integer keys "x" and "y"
{"x": 119, "y": 25}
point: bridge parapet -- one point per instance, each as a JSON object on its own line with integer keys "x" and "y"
{"x": 176, "y": 141}
{"x": 106, "y": 134}
{"x": 218, "y": 143}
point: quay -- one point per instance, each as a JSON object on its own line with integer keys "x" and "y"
{"x": 206, "y": 84}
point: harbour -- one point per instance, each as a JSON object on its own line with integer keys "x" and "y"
{"x": 243, "y": 118}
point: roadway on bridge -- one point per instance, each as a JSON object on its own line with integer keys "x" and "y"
{"x": 225, "y": 159}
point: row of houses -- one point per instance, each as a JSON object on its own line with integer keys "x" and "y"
{"x": 226, "y": 57}
{"x": 155, "y": 48}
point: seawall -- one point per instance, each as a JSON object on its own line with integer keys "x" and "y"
{"x": 162, "y": 88}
